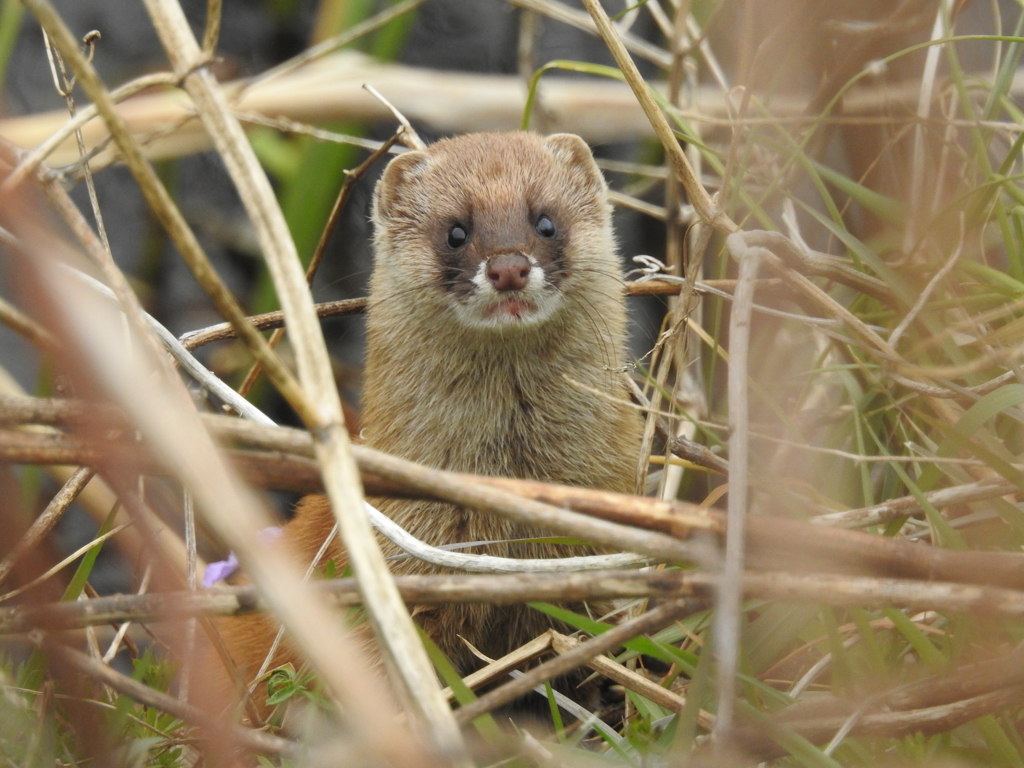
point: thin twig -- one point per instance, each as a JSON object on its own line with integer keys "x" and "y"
{"x": 906, "y": 506}
{"x": 496, "y": 668}
{"x": 31, "y": 162}
{"x": 673, "y": 702}
{"x": 337, "y": 41}
{"x": 821, "y": 264}
{"x": 860, "y": 330}
{"x": 351, "y": 177}
{"x": 267, "y": 321}
{"x": 65, "y": 87}
{"x": 575, "y": 18}
{"x": 207, "y": 378}
{"x": 407, "y": 133}
{"x": 122, "y": 631}
{"x": 892, "y": 725}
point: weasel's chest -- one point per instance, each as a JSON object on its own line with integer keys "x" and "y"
{"x": 512, "y": 420}
{"x": 510, "y": 428}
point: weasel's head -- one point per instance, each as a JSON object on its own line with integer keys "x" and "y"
{"x": 496, "y": 228}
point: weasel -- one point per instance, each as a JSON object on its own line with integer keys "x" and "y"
{"x": 495, "y": 326}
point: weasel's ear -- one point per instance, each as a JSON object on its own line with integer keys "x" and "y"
{"x": 390, "y": 197}
{"x": 573, "y": 153}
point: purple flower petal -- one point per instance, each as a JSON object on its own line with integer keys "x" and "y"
{"x": 220, "y": 570}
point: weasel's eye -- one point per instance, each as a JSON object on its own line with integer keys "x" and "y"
{"x": 545, "y": 227}
{"x": 457, "y": 236}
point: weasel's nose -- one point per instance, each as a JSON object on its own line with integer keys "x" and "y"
{"x": 509, "y": 272}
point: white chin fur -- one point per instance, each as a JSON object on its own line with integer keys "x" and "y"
{"x": 488, "y": 308}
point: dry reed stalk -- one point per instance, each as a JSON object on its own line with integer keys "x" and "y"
{"x": 393, "y": 627}
{"x": 152, "y": 393}
{"x": 510, "y": 589}
{"x": 729, "y": 603}
{"x": 332, "y": 90}
{"x": 773, "y": 542}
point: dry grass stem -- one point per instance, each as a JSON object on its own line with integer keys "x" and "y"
{"x": 727, "y": 617}
{"x": 27, "y": 328}
{"x": 62, "y": 564}
{"x": 649, "y": 622}
{"x": 697, "y": 195}
{"x": 673, "y": 702}
{"x": 47, "y": 519}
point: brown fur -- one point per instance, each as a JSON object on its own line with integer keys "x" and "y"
{"x": 489, "y": 400}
